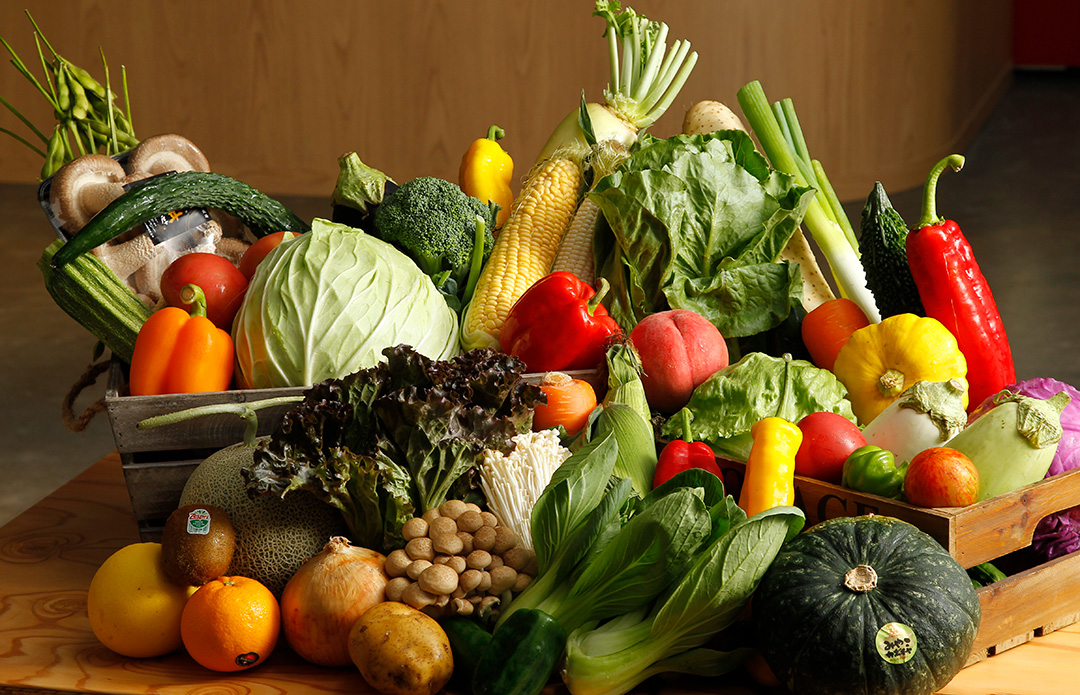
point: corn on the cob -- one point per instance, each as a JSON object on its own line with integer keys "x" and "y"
{"x": 524, "y": 250}
{"x": 576, "y": 250}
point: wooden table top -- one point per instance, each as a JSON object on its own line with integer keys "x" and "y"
{"x": 49, "y": 554}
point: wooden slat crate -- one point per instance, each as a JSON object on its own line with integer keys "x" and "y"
{"x": 1027, "y": 604}
{"x": 157, "y": 462}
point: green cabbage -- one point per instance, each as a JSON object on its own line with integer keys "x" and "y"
{"x": 326, "y": 303}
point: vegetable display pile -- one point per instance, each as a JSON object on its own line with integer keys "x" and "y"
{"x": 506, "y": 465}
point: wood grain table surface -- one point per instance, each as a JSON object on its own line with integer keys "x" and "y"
{"x": 49, "y": 554}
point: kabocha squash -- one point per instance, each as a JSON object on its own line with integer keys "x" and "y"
{"x": 861, "y": 605}
{"x": 881, "y": 361}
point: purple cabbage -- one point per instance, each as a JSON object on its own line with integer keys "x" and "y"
{"x": 1059, "y": 533}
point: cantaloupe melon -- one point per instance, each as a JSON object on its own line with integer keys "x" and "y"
{"x": 274, "y": 536}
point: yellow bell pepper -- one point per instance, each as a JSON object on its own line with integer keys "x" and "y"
{"x": 881, "y": 361}
{"x": 487, "y": 171}
{"x": 770, "y": 469}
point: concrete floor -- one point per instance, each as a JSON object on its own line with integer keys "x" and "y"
{"x": 1016, "y": 201}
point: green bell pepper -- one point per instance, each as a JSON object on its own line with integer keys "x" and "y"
{"x": 873, "y": 469}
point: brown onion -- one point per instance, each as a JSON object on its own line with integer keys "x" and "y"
{"x": 326, "y": 596}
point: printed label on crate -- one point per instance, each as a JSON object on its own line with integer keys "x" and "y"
{"x": 896, "y": 643}
{"x": 198, "y": 522}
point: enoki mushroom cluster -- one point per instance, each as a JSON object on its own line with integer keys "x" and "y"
{"x": 458, "y": 559}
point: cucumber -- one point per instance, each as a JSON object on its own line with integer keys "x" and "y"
{"x": 89, "y": 292}
{"x": 181, "y": 191}
{"x": 468, "y": 641}
{"x": 521, "y": 656}
{"x": 882, "y": 241}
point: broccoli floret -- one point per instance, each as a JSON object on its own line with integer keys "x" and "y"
{"x": 435, "y": 223}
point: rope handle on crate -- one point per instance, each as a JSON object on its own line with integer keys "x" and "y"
{"x": 79, "y": 423}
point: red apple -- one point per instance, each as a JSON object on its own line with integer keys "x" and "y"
{"x": 679, "y": 350}
{"x": 941, "y": 477}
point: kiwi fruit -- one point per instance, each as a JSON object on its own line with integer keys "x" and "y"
{"x": 197, "y": 544}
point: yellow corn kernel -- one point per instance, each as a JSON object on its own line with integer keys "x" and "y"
{"x": 576, "y": 250}
{"x": 524, "y": 249}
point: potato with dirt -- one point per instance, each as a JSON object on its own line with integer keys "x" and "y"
{"x": 400, "y": 650}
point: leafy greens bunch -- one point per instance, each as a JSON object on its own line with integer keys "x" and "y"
{"x": 387, "y": 443}
{"x": 673, "y": 567}
{"x": 698, "y": 222}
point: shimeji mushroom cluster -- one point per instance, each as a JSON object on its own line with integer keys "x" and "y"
{"x": 458, "y": 559}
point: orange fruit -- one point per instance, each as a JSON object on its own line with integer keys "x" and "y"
{"x": 231, "y": 624}
{"x": 134, "y": 609}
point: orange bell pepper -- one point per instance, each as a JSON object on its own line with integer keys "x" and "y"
{"x": 178, "y": 352}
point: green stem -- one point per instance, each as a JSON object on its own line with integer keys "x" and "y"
{"x": 477, "y": 261}
{"x": 687, "y": 435}
{"x": 244, "y": 410}
{"x": 494, "y": 132}
{"x": 829, "y": 193}
{"x": 595, "y": 300}
{"x": 929, "y": 209}
{"x": 194, "y": 295}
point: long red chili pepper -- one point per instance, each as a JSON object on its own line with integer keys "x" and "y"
{"x": 954, "y": 291}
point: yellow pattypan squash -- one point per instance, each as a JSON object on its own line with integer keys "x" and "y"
{"x": 882, "y": 360}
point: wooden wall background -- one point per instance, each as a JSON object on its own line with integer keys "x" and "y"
{"x": 274, "y": 90}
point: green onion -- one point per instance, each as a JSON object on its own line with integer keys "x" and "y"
{"x": 825, "y": 218}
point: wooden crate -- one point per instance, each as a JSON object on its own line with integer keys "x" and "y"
{"x": 157, "y": 462}
{"x": 1027, "y": 604}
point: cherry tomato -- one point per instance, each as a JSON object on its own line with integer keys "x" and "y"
{"x": 257, "y": 251}
{"x": 941, "y": 477}
{"x": 828, "y": 327}
{"x": 828, "y": 439}
{"x": 222, "y": 283}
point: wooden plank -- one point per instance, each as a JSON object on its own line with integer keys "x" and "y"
{"x": 975, "y": 534}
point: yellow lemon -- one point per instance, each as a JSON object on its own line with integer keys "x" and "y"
{"x": 134, "y": 609}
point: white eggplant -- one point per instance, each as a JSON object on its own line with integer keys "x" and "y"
{"x": 1013, "y": 444}
{"x": 928, "y": 414}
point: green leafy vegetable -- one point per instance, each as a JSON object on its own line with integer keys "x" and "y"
{"x": 698, "y": 222}
{"x": 328, "y": 302}
{"x": 614, "y": 657}
{"x": 726, "y": 405}
{"x": 392, "y": 441}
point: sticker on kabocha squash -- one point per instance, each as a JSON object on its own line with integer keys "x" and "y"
{"x": 896, "y": 643}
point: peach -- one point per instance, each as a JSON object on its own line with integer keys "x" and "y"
{"x": 679, "y": 350}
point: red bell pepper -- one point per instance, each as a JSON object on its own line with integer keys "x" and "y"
{"x": 683, "y": 454}
{"x": 955, "y": 292}
{"x": 559, "y": 324}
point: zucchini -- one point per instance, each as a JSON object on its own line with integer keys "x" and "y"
{"x": 89, "y": 292}
{"x": 521, "y": 656}
{"x": 883, "y": 243}
{"x": 181, "y": 191}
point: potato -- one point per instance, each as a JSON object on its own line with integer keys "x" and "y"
{"x": 708, "y": 117}
{"x": 401, "y": 651}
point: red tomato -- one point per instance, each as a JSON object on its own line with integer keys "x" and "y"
{"x": 222, "y": 283}
{"x": 257, "y": 251}
{"x": 828, "y": 439}
{"x": 828, "y": 327}
{"x": 941, "y": 477}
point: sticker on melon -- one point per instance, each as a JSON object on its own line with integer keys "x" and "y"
{"x": 896, "y": 643}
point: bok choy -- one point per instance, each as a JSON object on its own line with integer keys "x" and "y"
{"x": 602, "y": 553}
{"x": 612, "y": 658}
